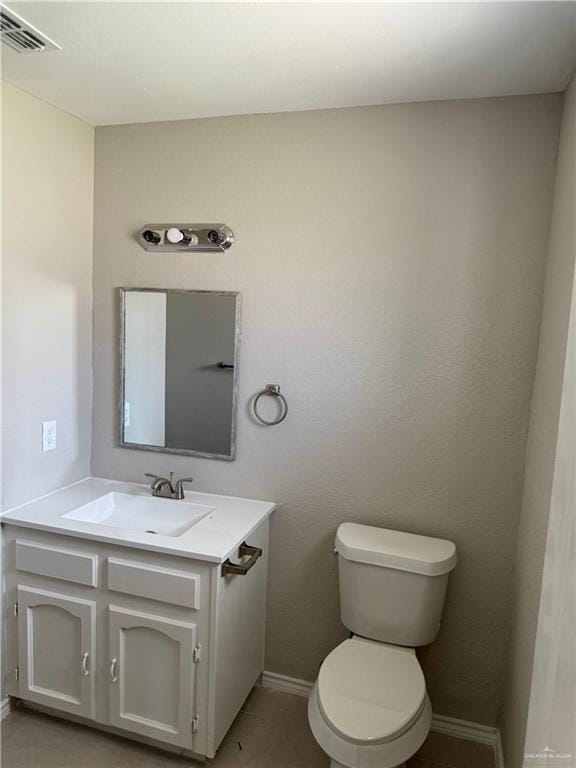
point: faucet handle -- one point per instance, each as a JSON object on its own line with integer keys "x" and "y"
{"x": 178, "y": 489}
{"x": 149, "y": 474}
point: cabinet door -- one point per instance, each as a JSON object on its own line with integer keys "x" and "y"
{"x": 152, "y": 675}
{"x": 56, "y": 650}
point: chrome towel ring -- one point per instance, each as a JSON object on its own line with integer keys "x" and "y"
{"x": 272, "y": 390}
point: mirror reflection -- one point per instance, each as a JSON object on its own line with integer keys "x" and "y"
{"x": 179, "y": 371}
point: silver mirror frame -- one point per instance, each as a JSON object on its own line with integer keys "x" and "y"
{"x": 122, "y": 354}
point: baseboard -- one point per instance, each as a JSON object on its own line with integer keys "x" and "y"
{"x": 286, "y": 684}
{"x": 451, "y": 726}
{"x": 463, "y": 729}
{"x": 4, "y": 708}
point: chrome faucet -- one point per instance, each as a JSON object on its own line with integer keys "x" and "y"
{"x": 166, "y": 488}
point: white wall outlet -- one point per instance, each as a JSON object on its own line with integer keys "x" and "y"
{"x": 126, "y": 414}
{"x": 48, "y": 435}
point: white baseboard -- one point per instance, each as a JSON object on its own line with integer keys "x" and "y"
{"x": 451, "y": 726}
{"x": 286, "y": 684}
{"x": 463, "y": 729}
{"x": 4, "y": 708}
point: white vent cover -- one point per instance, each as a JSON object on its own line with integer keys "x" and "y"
{"x": 21, "y": 36}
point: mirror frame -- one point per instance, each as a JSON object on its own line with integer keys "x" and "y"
{"x": 122, "y": 353}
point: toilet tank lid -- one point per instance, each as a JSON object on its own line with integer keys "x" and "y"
{"x": 395, "y": 549}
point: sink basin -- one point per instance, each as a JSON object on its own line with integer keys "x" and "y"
{"x": 165, "y": 517}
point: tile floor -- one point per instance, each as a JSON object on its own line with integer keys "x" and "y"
{"x": 270, "y": 732}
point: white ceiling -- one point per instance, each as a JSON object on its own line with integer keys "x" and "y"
{"x": 124, "y": 62}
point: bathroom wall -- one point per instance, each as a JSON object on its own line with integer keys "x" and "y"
{"x": 541, "y": 456}
{"x": 391, "y": 262}
{"x": 47, "y": 165}
{"x": 552, "y": 711}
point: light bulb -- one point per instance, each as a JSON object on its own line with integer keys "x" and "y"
{"x": 174, "y": 235}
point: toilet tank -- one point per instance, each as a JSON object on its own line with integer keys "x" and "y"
{"x": 392, "y": 584}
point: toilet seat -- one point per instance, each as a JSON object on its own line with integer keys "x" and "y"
{"x": 390, "y": 754}
{"x": 370, "y": 693}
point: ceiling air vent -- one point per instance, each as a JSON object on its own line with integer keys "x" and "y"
{"x": 21, "y": 36}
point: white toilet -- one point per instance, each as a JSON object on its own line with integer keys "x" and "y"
{"x": 369, "y": 707}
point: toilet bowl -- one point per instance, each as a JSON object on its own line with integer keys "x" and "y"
{"x": 369, "y": 707}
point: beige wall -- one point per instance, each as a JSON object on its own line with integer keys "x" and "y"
{"x": 542, "y": 444}
{"x": 391, "y": 264}
{"x": 47, "y": 206}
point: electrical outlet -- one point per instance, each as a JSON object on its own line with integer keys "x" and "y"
{"x": 126, "y": 414}
{"x": 48, "y": 435}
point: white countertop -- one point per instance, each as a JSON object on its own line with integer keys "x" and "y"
{"x": 213, "y": 539}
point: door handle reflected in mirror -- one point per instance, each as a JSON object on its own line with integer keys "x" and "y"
{"x": 225, "y": 365}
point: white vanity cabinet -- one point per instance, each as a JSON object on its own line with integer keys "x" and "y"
{"x": 56, "y": 645}
{"x": 153, "y": 646}
{"x": 152, "y": 675}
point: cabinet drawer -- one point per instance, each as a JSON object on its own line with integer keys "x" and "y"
{"x": 57, "y": 562}
{"x": 154, "y": 582}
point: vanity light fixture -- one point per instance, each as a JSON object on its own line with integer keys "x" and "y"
{"x": 208, "y": 238}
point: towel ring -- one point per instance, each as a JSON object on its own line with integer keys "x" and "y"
{"x": 272, "y": 390}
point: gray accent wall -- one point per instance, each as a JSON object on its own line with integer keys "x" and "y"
{"x": 391, "y": 262}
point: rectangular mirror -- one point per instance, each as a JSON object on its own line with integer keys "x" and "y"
{"x": 179, "y": 371}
